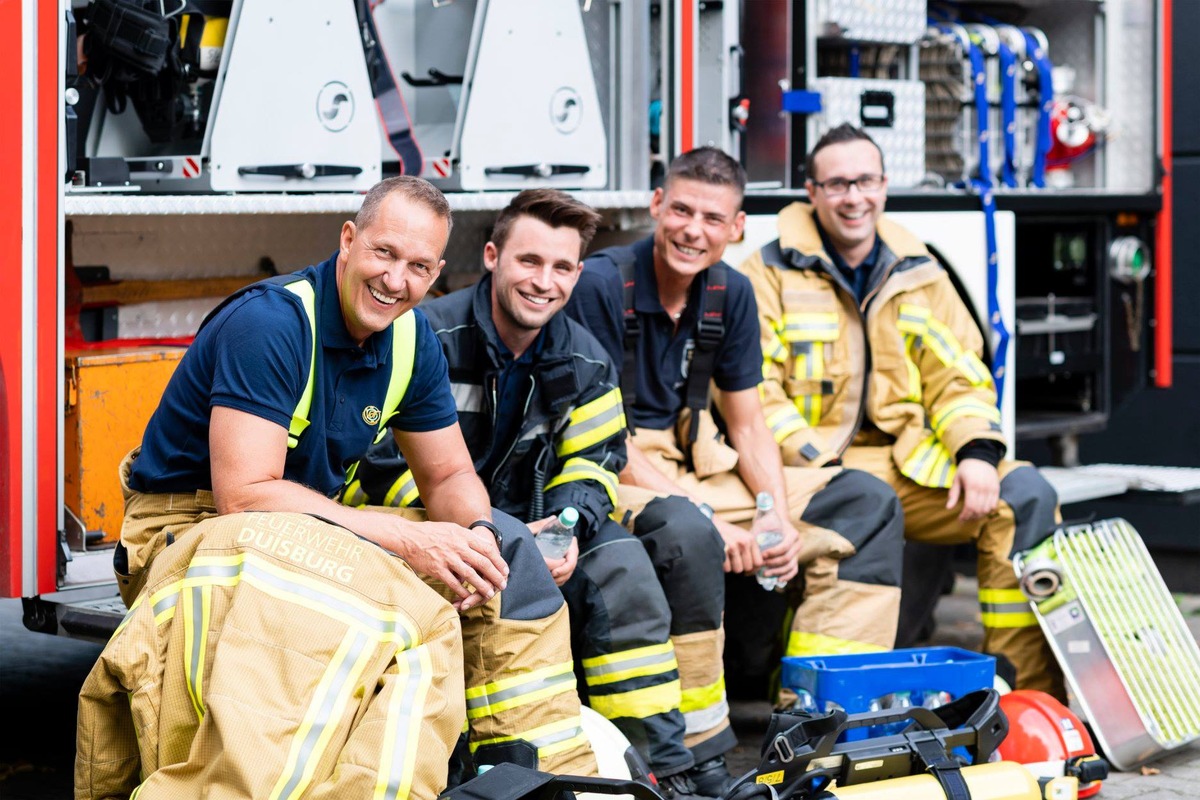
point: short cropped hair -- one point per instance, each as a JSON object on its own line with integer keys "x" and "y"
{"x": 551, "y": 206}
{"x": 708, "y": 165}
{"x": 412, "y": 188}
{"x": 840, "y": 135}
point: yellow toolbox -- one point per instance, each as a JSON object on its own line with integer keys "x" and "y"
{"x": 110, "y": 395}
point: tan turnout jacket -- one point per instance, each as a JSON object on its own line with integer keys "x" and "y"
{"x": 906, "y": 371}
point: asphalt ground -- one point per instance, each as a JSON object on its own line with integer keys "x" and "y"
{"x": 40, "y": 677}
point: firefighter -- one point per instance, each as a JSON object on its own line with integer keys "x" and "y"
{"x": 288, "y": 383}
{"x": 674, "y": 317}
{"x": 541, "y": 412}
{"x": 872, "y": 357}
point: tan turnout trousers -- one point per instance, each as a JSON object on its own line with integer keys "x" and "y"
{"x": 242, "y": 672}
{"x": 520, "y": 681}
{"x": 1009, "y": 626}
{"x": 851, "y": 561}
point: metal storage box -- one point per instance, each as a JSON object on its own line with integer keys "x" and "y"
{"x": 893, "y": 112}
{"x": 110, "y": 395}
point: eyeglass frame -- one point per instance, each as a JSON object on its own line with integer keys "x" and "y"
{"x": 853, "y": 183}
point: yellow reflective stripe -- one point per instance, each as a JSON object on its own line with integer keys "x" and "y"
{"x": 636, "y": 663}
{"x": 777, "y": 351}
{"x": 308, "y": 298}
{"x": 639, "y": 703}
{"x": 405, "y": 716}
{"x": 1002, "y": 596}
{"x": 592, "y": 423}
{"x": 942, "y": 341}
{"x": 580, "y": 469}
{"x": 801, "y": 643}
{"x": 197, "y": 608}
{"x": 405, "y": 489}
{"x": 550, "y": 739}
{"x": 699, "y": 698}
{"x": 519, "y": 690}
{"x": 930, "y": 464}
{"x": 970, "y": 365}
{"x": 328, "y": 704}
{"x": 1024, "y": 619}
{"x": 810, "y": 326}
{"x": 809, "y": 406}
{"x": 963, "y": 407}
{"x": 353, "y": 494}
{"x": 294, "y": 587}
{"x": 915, "y": 391}
{"x": 128, "y": 616}
{"x": 784, "y": 422}
{"x": 134, "y": 794}
{"x": 404, "y": 353}
{"x": 913, "y": 319}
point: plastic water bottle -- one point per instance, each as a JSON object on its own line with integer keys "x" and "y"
{"x": 768, "y": 533}
{"x": 555, "y": 539}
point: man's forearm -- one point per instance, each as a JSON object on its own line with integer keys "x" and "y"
{"x": 460, "y": 498}
{"x": 283, "y": 495}
{"x": 760, "y": 465}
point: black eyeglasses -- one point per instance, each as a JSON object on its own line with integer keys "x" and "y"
{"x": 839, "y": 186}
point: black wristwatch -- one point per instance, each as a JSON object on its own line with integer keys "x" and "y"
{"x": 491, "y": 526}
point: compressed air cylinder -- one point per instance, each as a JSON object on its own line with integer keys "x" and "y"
{"x": 1001, "y": 780}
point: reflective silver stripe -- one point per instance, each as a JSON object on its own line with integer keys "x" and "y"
{"x": 370, "y": 622}
{"x": 535, "y": 431}
{"x": 467, "y": 396}
{"x": 705, "y": 719}
{"x": 324, "y": 712}
{"x": 167, "y": 602}
{"x": 400, "y": 717}
{"x": 633, "y": 663}
{"x": 521, "y": 689}
{"x": 214, "y": 571}
{"x": 1005, "y": 608}
{"x": 199, "y": 634}
{"x": 556, "y": 737}
{"x": 812, "y": 327}
{"x": 580, "y": 428}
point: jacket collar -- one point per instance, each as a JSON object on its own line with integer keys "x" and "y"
{"x": 798, "y": 231}
{"x": 553, "y": 333}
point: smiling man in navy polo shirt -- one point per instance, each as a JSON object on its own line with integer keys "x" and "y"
{"x": 288, "y": 384}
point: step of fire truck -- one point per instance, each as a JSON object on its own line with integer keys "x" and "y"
{"x": 1174, "y": 485}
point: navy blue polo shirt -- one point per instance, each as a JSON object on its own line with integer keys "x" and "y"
{"x": 254, "y": 356}
{"x": 662, "y": 351}
{"x": 860, "y": 279}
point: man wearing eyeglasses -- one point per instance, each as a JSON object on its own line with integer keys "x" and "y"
{"x": 872, "y": 360}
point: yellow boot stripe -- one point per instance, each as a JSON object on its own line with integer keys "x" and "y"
{"x": 701, "y": 697}
{"x": 802, "y": 643}
{"x": 639, "y": 703}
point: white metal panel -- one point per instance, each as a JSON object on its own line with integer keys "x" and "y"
{"x": 1130, "y": 75}
{"x": 532, "y": 99}
{"x": 296, "y": 92}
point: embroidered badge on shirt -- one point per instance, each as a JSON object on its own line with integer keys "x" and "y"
{"x": 371, "y": 415}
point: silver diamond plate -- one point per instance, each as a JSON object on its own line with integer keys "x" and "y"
{"x": 170, "y": 318}
{"x": 1130, "y": 47}
{"x": 903, "y": 144}
{"x": 899, "y": 21}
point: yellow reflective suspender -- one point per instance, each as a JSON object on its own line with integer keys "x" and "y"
{"x": 308, "y": 297}
{"x": 404, "y": 342}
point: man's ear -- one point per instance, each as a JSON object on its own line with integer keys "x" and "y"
{"x": 491, "y": 256}
{"x": 739, "y": 226}
{"x": 656, "y": 201}
{"x": 347, "y": 237}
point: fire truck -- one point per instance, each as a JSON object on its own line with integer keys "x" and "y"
{"x": 167, "y": 153}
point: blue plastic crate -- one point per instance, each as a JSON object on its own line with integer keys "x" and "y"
{"x": 854, "y": 680}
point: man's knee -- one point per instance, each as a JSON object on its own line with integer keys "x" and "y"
{"x": 1034, "y": 504}
{"x": 688, "y": 556}
{"x": 530, "y": 593}
{"x": 871, "y": 518}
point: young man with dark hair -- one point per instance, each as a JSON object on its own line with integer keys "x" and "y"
{"x": 294, "y": 647}
{"x": 915, "y": 406}
{"x": 674, "y": 317}
{"x": 542, "y": 415}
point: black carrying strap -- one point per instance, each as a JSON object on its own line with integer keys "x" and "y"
{"x": 710, "y": 331}
{"x": 387, "y": 93}
{"x": 137, "y": 36}
{"x": 943, "y": 766}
